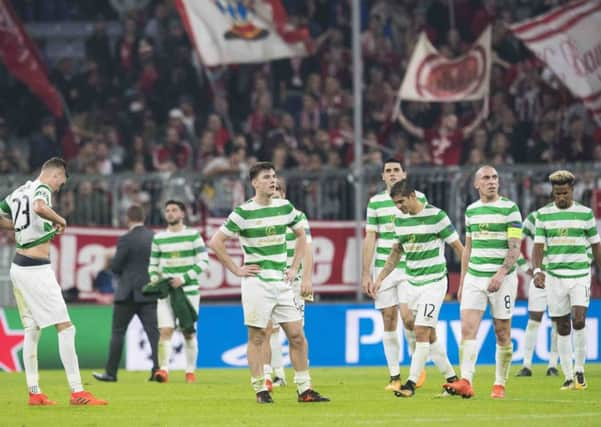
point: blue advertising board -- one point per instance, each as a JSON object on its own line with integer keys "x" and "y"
{"x": 351, "y": 335}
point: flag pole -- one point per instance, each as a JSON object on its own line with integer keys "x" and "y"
{"x": 358, "y": 138}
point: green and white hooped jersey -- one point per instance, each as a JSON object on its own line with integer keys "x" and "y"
{"x": 179, "y": 254}
{"x": 490, "y": 226}
{"x": 382, "y": 215}
{"x": 291, "y": 243}
{"x": 30, "y": 228}
{"x": 262, "y": 233}
{"x": 422, "y": 237}
{"x": 568, "y": 235}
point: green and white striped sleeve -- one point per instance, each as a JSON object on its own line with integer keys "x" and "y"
{"x": 590, "y": 231}
{"x": 153, "y": 265}
{"x": 5, "y": 208}
{"x": 232, "y": 225}
{"x": 201, "y": 260}
{"x": 371, "y": 223}
{"x": 447, "y": 230}
{"x": 42, "y": 192}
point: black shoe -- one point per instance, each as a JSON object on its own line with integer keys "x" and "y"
{"x": 264, "y": 397}
{"x": 524, "y": 372}
{"x": 104, "y": 377}
{"x": 567, "y": 385}
{"x": 407, "y": 390}
{"x": 452, "y": 379}
{"x": 580, "y": 383}
{"x": 552, "y": 372}
{"x": 311, "y": 395}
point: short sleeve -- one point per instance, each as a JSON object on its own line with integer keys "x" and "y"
{"x": 232, "y": 225}
{"x": 42, "y": 192}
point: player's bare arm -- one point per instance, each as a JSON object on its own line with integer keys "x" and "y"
{"x": 307, "y": 277}
{"x": 369, "y": 246}
{"x": 511, "y": 258}
{"x": 6, "y": 223}
{"x": 538, "y": 252}
{"x": 391, "y": 262}
{"x": 217, "y": 244}
{"x": 43, "y": 210}
{"x": 465, "y": 259}
{"x": 458, "y": 248}
{"x": 597, "y": 253}
{"x": 300, "y": 247}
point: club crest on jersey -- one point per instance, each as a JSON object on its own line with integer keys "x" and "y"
{"x": 175, "y": 254}
{"x": 563, "y": 232}
{"x": 270, "y": 230}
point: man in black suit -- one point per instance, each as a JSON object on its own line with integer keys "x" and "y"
{"x": 130, "y": 263}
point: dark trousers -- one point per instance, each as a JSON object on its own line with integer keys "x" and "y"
{"x": 123, "y": 312}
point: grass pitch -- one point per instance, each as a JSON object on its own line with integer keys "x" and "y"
{"x": 224, "y": 397}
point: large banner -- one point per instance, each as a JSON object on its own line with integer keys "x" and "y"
{"x": 79, "y": 254}
{"x": 21, "y": 58}
{"x": 432, "y": 77}
{"x": 568, "y": 40}
{"x": 237, "y": 31}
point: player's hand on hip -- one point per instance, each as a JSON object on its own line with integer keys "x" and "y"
{"x": 60, "y": 226}
{"x": 176, "y": 282}
{"x": 248, "y": 270}
{"x": 539, "y": 280}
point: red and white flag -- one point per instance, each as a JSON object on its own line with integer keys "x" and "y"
{"x": 432, "y": 77}
{"x": 568, "y": 40}
{"x": 20, "y": 56}
{"x": 232, "y": 32}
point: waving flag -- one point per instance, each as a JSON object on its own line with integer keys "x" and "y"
{"x": 432, "y": 77}
{"x": 19, "y": 55}
{"x": 568, "y": 40}
{"x": 231, "y": 32}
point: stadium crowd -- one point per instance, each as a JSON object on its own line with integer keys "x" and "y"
{"x": 140, "y": 101}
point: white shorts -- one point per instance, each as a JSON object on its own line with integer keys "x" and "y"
{"x": 165, "y": 316}
{"x": 475, "y": 295}
{"x": 299, "y": 301}
{"x": 262, "y": 301}
{"x": 389, "y": 293}
{"x": 39, "y": 296}
{"x": 537, "y": 298}
{"x": 563, "y": 294}
{"x": 426, "y": 301}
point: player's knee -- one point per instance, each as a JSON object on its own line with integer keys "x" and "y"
{"x": 578, "y": 324}
{"x": 537, "y": 316}
{"x": 563, "y": 327}
{"x": 64, "y": 325}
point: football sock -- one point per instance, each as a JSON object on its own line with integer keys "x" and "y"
{"x": 164, "y": 354}
{"x": 438, "y": 354}
{"x": 30, "y": 358}
{"x": 302, "y": 379}
{"x": 553, "y": 353}
{"x": 418, "y": 360}
{"x": 66, "y": 350}
{"x": 469, "y": 355}
{"x": 410, "y": 337}
{"x": 579, "y": 349}
{"x": 564, "y": 348}
{"x": 503, "y": 363}
{"x": 530, "y": 341}
{"x": 391, "y": 351}
{"x": 191, "y": 350}
{"x": 276, "y": 349}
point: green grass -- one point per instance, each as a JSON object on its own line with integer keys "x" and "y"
{"x": 224, "y": 397}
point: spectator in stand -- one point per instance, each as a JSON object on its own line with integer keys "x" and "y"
{"x": 206, "y": 150}
{"x": 92, "y": 207}
{"x": 577, "y": 145}
{"x": 189, "y": 117}
{"x": 126, "y": 50}
{"x": 98, "y": 49}
{"x": 139, "y": 153}
{"x": 45, "y": 145}
{"x": 310, "y": 117}
{"x": 103, "y": 162}
{"x": 174, "y": 151}
{"x": 445, "y": 143}
{"x": 157, "y": 27}
{"x": 220, "y": 134}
